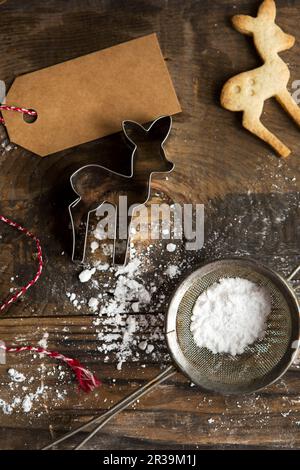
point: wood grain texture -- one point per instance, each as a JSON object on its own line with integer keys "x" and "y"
{"x": 251, "y": 204}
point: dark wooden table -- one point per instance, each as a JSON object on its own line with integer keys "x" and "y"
{"x": 251, "y": 202}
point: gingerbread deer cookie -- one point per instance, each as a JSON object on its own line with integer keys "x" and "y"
{"x": 248, "y": 91}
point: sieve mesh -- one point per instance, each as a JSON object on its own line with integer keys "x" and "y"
{"x": 263, "y": 361}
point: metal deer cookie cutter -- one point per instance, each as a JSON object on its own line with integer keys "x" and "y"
{"x": 96, "y": 185}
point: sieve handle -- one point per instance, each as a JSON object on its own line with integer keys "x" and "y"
{"x": 294, "y": 273}
{"x": 108, "y": 415}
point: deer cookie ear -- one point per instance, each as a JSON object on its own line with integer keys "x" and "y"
{"x": 161, "y": 127}
{"x": 267, "y": 10}
{"x": 243, "y": 23}
{"x": 133, "y": 131}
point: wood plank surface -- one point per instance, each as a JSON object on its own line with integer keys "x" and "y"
{"x": 251, "y": 202}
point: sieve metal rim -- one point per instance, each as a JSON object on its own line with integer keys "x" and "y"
{"x": 170, "y": 323}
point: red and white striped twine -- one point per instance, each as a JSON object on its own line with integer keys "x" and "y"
{"x": 18, "y": 109}
{"x": 25, "y": 288}
{"x": 86, "y": 380}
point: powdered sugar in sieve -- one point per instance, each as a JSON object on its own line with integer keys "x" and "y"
{"x": 230, "y": 315}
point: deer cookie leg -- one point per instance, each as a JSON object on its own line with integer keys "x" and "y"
{"x": 289, "y": 105}
{"x": 79, "y": 217}
{"x": 251, "y": 121}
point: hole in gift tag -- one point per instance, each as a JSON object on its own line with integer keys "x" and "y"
{"x": 30, "y": 118}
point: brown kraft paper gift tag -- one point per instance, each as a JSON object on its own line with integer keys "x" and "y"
{"x": 87, "y": 98}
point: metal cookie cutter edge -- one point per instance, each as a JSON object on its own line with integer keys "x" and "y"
{"x": 74, "y": 203}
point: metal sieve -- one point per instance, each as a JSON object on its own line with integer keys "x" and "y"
{"x": 262, "y": 363}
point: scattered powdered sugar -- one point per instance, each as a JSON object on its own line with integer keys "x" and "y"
{"x": 99, "y": 232}
{"x": 129, "y": 302}
{"x": 143, "y": 345}
{"x": 127, "y": 290}
{"x": 74, "y": 300}
{"x": 43, "y": 343}
{"x": 94, "y": 246}
{"x": 128, "y": 332}
{"x": 171, "y": 247}
{"x": 127, "y": 295}
{"x": 7, "y": 408}
{"x": 7, "y": 146}
{"x": 93, "y": 303}
{"x": 27, "y": 396}
{"x": 130, "y": 269}
{"x": 128, "y": 336}
{"x": 86, "y": 274}
{"x": 230, "y": 315}
{"x": 27, "y": 404}
{"x": 15, "y": 375}
{"x": 172, "y": 270}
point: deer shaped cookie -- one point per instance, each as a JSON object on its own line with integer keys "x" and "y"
{"x": 248, "y": 91}
{"x": 96, "y": 185}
